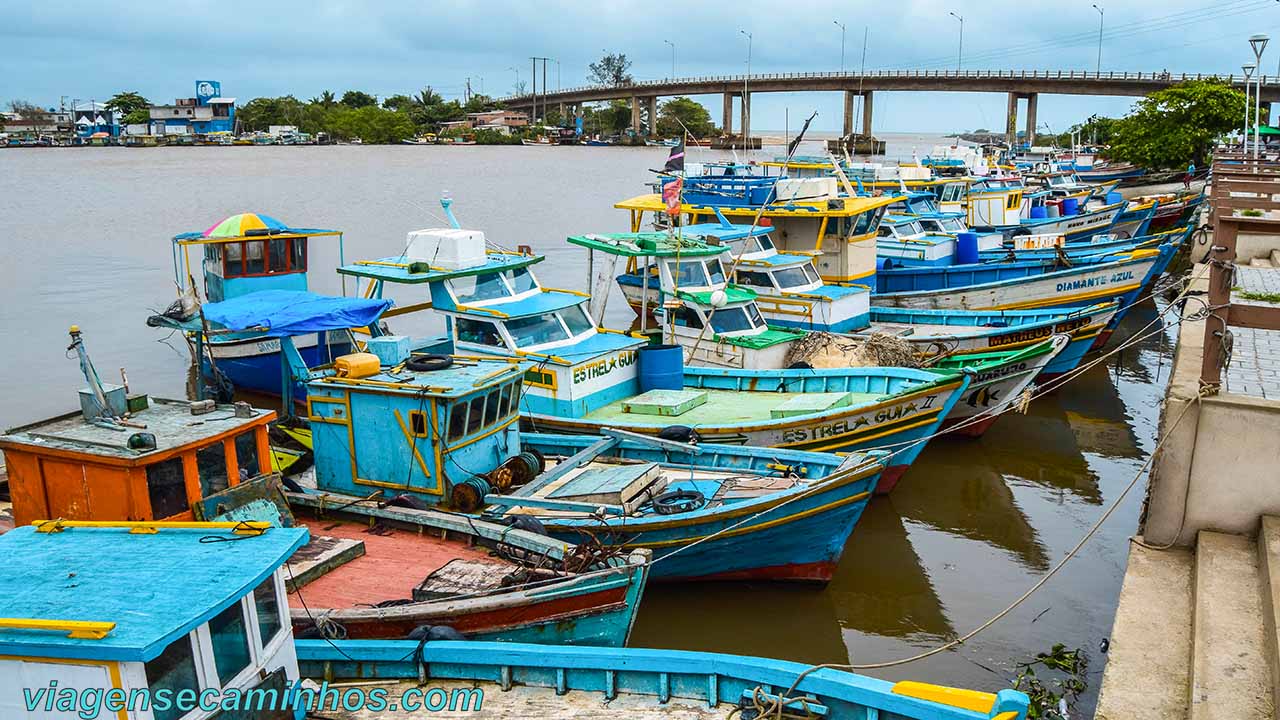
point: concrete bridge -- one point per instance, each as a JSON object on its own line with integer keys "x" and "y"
{"x": 1019, "y": 84}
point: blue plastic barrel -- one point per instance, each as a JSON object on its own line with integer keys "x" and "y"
{"x": 1070, "y": 206}
{"x": 1114, "y": 197}
{"x": 660, "y": 367}
{"x": 966, "y": 248}
{"x": 1039, "y": 212}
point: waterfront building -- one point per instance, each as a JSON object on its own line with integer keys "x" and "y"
{"x": 207, "y": 112}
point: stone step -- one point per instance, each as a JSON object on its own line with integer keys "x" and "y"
{"x": 1261, "y": 263}
{"x": 1275, "y": 258}
{"x": 1269, "y": 572}
{"x": 1230, "y": 667}
{"x": 1149, "y": 661}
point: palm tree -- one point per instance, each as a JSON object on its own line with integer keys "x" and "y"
{"x": 428, "y": 97}
{"x": 326, "y": 99}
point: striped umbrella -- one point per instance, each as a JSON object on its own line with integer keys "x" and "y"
{"x": 240, "y": 225}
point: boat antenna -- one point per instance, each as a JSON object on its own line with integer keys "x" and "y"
{"x": 446, "y": 202}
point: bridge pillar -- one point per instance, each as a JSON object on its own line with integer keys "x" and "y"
{"x": 746, "y": 115}
{"x": 866, "y": 112}
{"x": 727, "y": 114}
{"x": 635, "y": 115}
{"x": 1031, "y": 118}
{"x": 653, "y": 115}
{"x": 849, "y": 105}
{"x": 1011, "y": 120}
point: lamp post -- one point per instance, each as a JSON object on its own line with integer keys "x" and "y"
{"x": 517, "y": 72}
{"x": 746, "y": 102}
{"x": 1258, "y": 43}
{"x": 842, "y": 31}
{"x": 1102, "y": 15}
{"x": 1244, "y": 135}
{"x": 960, "y": 55}
{"x": 673, "y": 58}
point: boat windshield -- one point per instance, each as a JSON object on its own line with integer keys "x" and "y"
{"x": 953, "y": 192}
{"x": 907, "y": 229}
{"x": 736, "y": 319}
{"x": 536, "y": 330}
{"x": 576, "y": 320}
{"x": 697, "y": 274}
{"x": 952, "y": 225}
{"x": 760, "y": 243}
{"x": 798, "y": 276}
{"x": 492, "y": 286}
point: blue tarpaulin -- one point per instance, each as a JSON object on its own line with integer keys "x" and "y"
{"x": 281, "y": 313}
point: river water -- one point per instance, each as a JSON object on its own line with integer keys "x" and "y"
{"x": 970, "y": 527}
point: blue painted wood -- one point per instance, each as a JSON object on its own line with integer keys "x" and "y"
{"x": 579, "y": 459}
{"x": 633, "y": 671}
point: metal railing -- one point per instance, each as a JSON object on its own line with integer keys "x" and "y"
{"x": 1239, "y": 183}
{"x": 1069, "y": 75}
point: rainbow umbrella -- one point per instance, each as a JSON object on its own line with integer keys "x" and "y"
{"x": 240, "y": 225}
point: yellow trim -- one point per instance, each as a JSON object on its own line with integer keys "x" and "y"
{"x": 1049, "y": 302}
{"x": 889, "y": 430}
{"x": 553, "y": 385}
{"x": 413, "y": 445}
{"x": 248, "y": 238}
{"x": 407, "y": 309}
{"x": 413, "y": 415}
{"x": 487, "y": 311}
{"x": 150, "y": 527}
{"x": 971, "y": 700}
{"x": 494, "y": 429}
{"x": 113, "y": 670}
{"x": 579, "y": 293}
{"x": 76, "y": 629}
{"x": 846, "y": 278}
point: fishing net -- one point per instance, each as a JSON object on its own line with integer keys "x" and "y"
{"x": 828, "y": 350}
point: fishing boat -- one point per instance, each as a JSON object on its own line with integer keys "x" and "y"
{"x": 1111, "y": 172}
{"x": 241, "y": 254}
{"x": 586, "y": 379}
{"x": 377, "y": 565}
{"x": 754, "y": 512}
{"x": 203, "y": 618}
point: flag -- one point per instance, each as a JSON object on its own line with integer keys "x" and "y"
{"x": 791, "y": 149}
{"x": 671, "y": 195}
{"x": 675, "y": 161}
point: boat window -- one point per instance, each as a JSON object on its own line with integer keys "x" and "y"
{"x": 1014, "y": 201}
{"x": 255, "y": 263}
{"x": 418, "y": 423}
{"x": 687, "y": 317}
{"x": 754, "y": 278}
{"x": 476, "y": 415}
{"x": 173, "y": 671}
{"x": 211, "y": 462}
{"x": 792, "y": 277}
{"x": 235, "y": 259}
{"x": 491, "y": 403}
{"x": 278, "y": 255}
{"x": 575, "y": 318}
{"x": 536, "y": 330}
{"x": 812, "y": 272}
{"x": 953, "y": 225}
{"x": 298, "y": 246}
{"x": 868, "y": 221}
{"x": 504, "y": 400}
{"x": 754, "y": 313}
{"x": 167, "y": 489}
{"x": 885, "y": 231}
{"x": 247, "y": 454}
{"x": 765, "y": 242}
{"x": 267, "y": 603}
{"x": 457, "y": 420}
{"x": 522, "y": 280}
{"x": 230, "y": 639}
{"x": 953, "y": 192}
{"x": 715, "y": 271}
{"x": 479, "y": 332}
{"x": 731, "y": 319}
{"x": 688, "y": 273}
{"x": 479, "y": 287}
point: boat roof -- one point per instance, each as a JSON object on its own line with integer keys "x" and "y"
{"x": 465, "y": 376}
{"x": 777, "y": 260}
{"x": 649, "y": 244}
{"x": 247, "y": 226}
{"x": 541, "y": 303}
{"x": 839, "y": 207}
{"x": 399, "y": 269}
{"x": 733, "y": 294}
{"x": 170, "y": 421}
{"x": 155, "y": 587}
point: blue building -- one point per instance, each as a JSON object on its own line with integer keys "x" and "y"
{"x": 207, "y": 112}
{"x": 93, "y": 118}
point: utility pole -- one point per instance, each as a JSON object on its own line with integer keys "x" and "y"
{"x": 534, "y": 117}
{"x": 466, "y": 96}
{"x": 960, "y": 56}
{"x": 842, "y": 28}
{"x": 673, "y": 58}
{"x": 1102, "y": 15}
{"x": 746, "y": 101}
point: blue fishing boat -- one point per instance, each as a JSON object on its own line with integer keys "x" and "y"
{"x": 241, "y": 254}
{"x": 378, "y": 566}
{"x": 203, "y": 618}
{"x": 1051, "y": 248}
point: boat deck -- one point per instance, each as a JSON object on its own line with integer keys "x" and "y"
{"x": 522, "y": 702}
{"x": 395, "y": 562}
{"x": 920, "y": 330}
{"x": 723, "y": 407}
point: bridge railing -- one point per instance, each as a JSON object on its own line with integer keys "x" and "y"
{"x": 676, "y": 83}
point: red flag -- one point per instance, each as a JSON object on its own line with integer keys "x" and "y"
{"x": 671, "y": 196}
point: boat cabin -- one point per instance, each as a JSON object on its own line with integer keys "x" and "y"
{"x": 725, "y": 328}
{"x": 170, "y": 610}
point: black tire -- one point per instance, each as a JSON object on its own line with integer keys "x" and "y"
{"x": 678, "y": 501}
{"x": 428, "y": 363}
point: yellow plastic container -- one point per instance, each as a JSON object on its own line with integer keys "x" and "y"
{"x": 357, "y": 365}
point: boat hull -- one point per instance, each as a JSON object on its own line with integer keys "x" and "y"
{"x": 997, "y": 387}
{"x": 254, "y": 364}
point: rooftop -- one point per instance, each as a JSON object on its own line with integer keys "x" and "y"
{"x": 463, "y": 377}
{"x": 170, "y": 421}
{"x": 97, "y": 574}
{"x": 650, "y": 244}
{"x": 400, "y": 269}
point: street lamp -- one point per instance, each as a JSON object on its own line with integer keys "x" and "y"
{"x": 746, "y": 99}
{"x": 960, "y": 56}
{"x": 1258, "y": 43}
{"x": 517, "y": 72}
{"x": 1102, "y": 15}
{"x": 673, "y": 58}
{"x": 1244, "y": 136}
{"x": 841, "y": 45}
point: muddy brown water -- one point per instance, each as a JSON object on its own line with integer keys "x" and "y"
{"x": 969, "y": 528}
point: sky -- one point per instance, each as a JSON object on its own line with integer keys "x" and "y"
{"x": 56, "y": 51}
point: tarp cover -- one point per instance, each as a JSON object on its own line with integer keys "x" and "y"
{"x": 281, "y": 313}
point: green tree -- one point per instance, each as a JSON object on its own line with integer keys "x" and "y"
{"x": 261, "y": 113}
{"x": 610, "y": 119}
{"x": 480, "y": 103}
{"x": 356, "y": 99}
{"x": 371, "y": 124}
{"x": 612, "y": 69}
{"x": 326, "y": 100}
{"x": 1177, "y": 125}
{"x": 140, "y": 116}
{"x": 125, "y": 103}
{"x": 677, "y": 111}
{"x": 398, "y": 102}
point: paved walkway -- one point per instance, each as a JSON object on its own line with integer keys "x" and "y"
{"x": 1255, "y": 356}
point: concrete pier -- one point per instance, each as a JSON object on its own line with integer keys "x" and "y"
{"x": 850, "y": 111}
{"x": 651, "y": 104}
{"x": 1011, "y": 118}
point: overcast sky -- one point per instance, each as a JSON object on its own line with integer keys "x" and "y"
{"x": 302, "y": 47}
